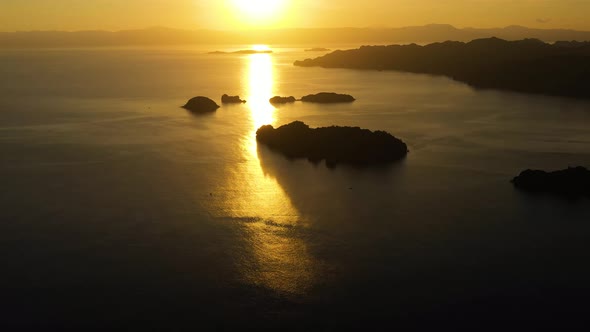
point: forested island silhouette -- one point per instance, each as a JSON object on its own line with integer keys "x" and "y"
{"x": 336, "y": 145}
{"x": 528, "y": 66}
{"x": 573, "y": 182}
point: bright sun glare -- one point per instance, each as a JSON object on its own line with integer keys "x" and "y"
{"x": 260, "y": 48}
{"x": 259, "y": 9}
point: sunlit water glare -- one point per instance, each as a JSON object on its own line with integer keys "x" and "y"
{"x": 281, "y": 259}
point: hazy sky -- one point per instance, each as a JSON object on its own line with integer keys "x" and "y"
{"x": 229, "y": 14}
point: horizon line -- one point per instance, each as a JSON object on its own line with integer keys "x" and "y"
{"x": 292, "y": 28}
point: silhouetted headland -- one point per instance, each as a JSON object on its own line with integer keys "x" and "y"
{"x": 243, "y": 52}
{"x": 201, "y": 105}
{"x": 317, "y": 49}
{"x": 346, "y": 145}
{"x": 282, "y": 100}
{"x": 571, "y": 182}
{"x": 226, "y": 99}
{"x": 529, "y": 66}
{"x": 328, "y": 98}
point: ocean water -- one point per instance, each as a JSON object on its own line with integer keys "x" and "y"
{"x": 119, "y": 209}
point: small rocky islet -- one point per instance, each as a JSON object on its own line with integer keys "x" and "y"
{"x": 227, "y": 99}
{"x": 278, "y": 100}
{"x": 201, "y": 104}
{"x": 328, "y": 98}
{"x": 317, "y": 49}
{"x": 243, "y": 52}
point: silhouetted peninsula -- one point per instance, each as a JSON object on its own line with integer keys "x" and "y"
{"x": 201, "y": 105}
{"x": 317, "y": 49}
{"x": 226, "y": 99}
{"x": 282, "y": 100}
{"x": 346, "y": 145}
{"x": 328, "y": 98}
{"x": 243, "y": 52}
{"x": 530, "y": 65}
{"x": 571, "y": 182}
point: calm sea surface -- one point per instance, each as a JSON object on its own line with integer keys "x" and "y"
{"x": 120, "y": 209}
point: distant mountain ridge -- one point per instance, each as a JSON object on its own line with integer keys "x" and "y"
{"x": 528, "y": 65}
{"x": 316, "y": 36}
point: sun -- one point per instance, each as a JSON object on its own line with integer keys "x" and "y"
{"x": 259, "y": 12}
{"x": 260, "y": 48}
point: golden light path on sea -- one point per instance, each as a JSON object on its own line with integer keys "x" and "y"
{"x": 275, "y": 255}
{"x": 260, "y": 87}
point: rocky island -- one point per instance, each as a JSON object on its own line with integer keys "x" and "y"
{"x": 571, "y": 182}
{"x": 317, "y": 49}
{"x": 335, "y": 145}
{"x": 282, "y": 100}
{"x": 245, "y": 52}
{"x": 201, "y": 105}
{"x": 226, "y": 99}
{"x": 328, "y": 98}
{"x": 528, "y": 66}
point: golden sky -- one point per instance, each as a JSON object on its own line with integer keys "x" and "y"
{"x": 247, "y": 14}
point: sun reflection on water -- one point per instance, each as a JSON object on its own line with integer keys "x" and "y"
{"x": 260, "y": 88}
{"x": 276, "y": 254}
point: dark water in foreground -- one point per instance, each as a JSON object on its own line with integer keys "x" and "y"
{"x": 120, "y": 210}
